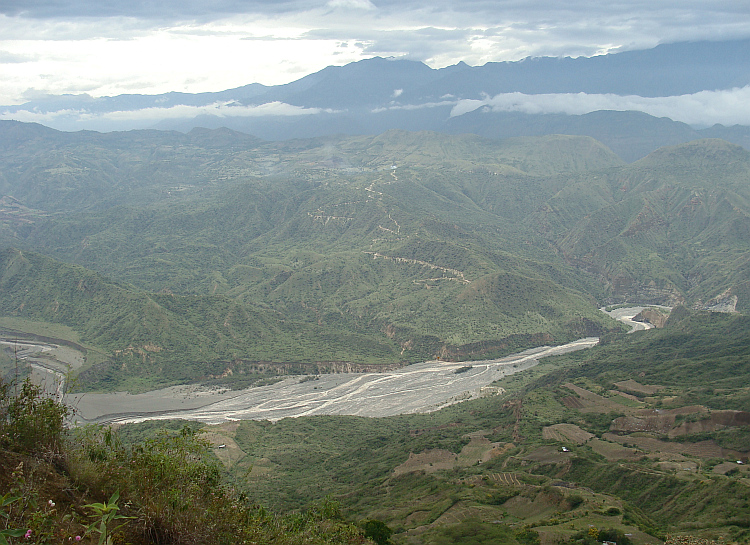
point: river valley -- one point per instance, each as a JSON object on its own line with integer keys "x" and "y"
{"x": 421, "y": 387}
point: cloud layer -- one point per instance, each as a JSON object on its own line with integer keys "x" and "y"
{"x": 706, "y": 108}
{"x": 109, "y": 47}
{"x": 703, "y": 109}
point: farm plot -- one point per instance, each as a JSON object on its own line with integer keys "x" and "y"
{"x": 631, "y": 385}
{"x": 613, "y": 451}
{"x": 478, "y": 450}
{"x": 589, "y": 402}
{"x": 566, "y": 433}
{"x": 224, "y": 446}
{"x": 547, "y": 455}
{"x": 702, "y": 449}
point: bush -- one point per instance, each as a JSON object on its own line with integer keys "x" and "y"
{"x": 172, "y": 487}
{"x": 30, "y": 421}
{"x": 377, "y": 531}
{"x": 574, "y": 500}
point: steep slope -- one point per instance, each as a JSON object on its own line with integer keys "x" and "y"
{"x": 671, "y": 227}
{"x": 388, "y": 243}
{"x": 162, "y": 338}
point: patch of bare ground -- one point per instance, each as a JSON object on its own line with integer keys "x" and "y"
{"x": 678, "y": 466}
{"x": 702, "y": 449}
{"x": 224, "y": 446}
{"x": 716, "y": 421}
{"x": 665, "y": 422}
{"x": 660, "y": 421}
{"x": 631, "y": 385}
{"x": 660, "y": 424}
{"x": 478, "y": 450}
{"x": 428, "y": 461}
{"x": 726, "y": 467}
{"x": 589, "y": 402}
{"x": 652, "y": 316}
{"x": 613, "y": 451}
{"x": 542, "y": 505}
{"x": 566, "y": 432}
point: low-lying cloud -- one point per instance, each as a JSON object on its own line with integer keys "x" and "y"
{"x": 218, "y": 109}
{"x": 705, "y": 108}
{"x": 702, "y": 109}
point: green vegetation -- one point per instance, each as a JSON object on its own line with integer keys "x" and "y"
{"x": 487, "y": 470}
{"x": 498, "y": 458}
{"x": 88, "y": 487}
{"x": 222, "y": 252}
{"x": 211, "y": 257}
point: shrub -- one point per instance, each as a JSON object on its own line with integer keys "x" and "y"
{"x": 31, "y": 421}
{"x": 376, "y": 530}
{"x": 574, "y": 500}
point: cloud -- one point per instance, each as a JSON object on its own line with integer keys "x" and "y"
{"x": 176, "y": 10}
{"x": 351, "y": 4}
{"x": 218, "y": 109}
{"x": 409, "y": 107}
{"x": 705, "y": 108}
{"x": 309, "y": 33}
{"x": 7, "y": 57}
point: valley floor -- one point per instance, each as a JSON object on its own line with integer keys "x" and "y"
{"x": 423, "y": 387}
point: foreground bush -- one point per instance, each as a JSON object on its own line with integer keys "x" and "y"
{"x": 166, "y": 490}
{"x": 30, "y": 421}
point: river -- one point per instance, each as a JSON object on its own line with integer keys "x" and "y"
{"x": 417, "y": 388}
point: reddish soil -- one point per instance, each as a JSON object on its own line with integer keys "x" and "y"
{"x": 702, "y": 449}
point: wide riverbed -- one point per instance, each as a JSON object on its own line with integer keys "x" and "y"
{"x": 421, "y": 387}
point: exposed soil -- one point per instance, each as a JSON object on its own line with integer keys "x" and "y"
{"x": 631, "y": 385}
{"x": 566, "y": 432}
{"x": 702, "y": 449}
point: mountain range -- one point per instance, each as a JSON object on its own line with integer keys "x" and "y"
{"x": 364, "y": 218}
{"x": 214, "y": 247}
{"x": 375, "y": 95}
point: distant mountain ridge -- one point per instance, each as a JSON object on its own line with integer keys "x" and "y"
{"x": 375, "y": 95}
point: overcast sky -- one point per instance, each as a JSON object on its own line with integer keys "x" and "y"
{"x": 110, "y": 47}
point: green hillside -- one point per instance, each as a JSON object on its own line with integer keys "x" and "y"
{"x": 155, "y": 339}
{"x": 162, "y": 338}
{"x": 373, "y": 250}
{"x": 217, "y": 258}
{"x": 672, "y": 227}
{"x": 627, "y": 436}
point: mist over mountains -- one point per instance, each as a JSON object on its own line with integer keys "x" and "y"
{"x": 634, "y": 102}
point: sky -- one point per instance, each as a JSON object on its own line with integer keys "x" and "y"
{"x": 111, "y": 47}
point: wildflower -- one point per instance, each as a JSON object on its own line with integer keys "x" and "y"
{"x": 78, "y": 538}
{"x": 28, "y": 534}
{"x": 51, "y": 503}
